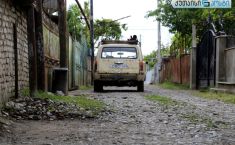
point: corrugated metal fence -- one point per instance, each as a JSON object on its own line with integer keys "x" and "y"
{"x": 79, "y": 64}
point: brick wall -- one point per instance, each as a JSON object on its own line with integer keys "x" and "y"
{"x": 9, "y": 15}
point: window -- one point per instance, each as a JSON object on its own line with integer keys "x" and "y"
{"x": 119, "y": 52}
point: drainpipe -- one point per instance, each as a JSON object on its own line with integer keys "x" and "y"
{"x": 16, "y": 60}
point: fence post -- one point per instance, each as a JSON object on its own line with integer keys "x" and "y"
{"x": 62, "y": 39}
{"x": 32, "y": 51}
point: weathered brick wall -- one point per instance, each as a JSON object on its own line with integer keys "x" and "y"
{"x": 9, "y": 15}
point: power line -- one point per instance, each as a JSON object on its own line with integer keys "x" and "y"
{"x": 143, "y": 29}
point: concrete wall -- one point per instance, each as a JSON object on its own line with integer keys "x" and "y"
{"x": 225, "y": 59}
{"x": 230, "y": 61}
{"x": 9, "y": 15}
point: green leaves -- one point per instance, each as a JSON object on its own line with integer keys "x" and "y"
{"x": 75, "y": 24}
{"x": 180, "y": 20}
{"x": 108, "y": 28}
{"x": 104, "y": 28}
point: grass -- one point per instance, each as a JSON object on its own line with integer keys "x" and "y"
{"x": 85, "y": 87}
{"x": 224, "y": 97}
{"x": 173, "y": 86}
{"x": 161, "y": 99}
{"x": 81, "y": 101}
{"x": 196, "y": 119}
{"x": 24, "y": 92}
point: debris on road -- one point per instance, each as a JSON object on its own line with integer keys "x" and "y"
{"x": 44, "y": 109}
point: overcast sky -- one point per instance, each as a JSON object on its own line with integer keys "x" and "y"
{"x": 137, "y": 24}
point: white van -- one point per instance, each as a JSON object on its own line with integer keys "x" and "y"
{"x": 119, "y": 63}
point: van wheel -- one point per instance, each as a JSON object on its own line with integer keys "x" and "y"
{"x": 98, "y": 87}
{"x": 140, "y": 86}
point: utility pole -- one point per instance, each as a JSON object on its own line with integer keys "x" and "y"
{"x": 158, "y": 66}
{"x": 193, "y": 70}
{"x": 92, "y": 39}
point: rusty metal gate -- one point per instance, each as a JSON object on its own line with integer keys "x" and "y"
{"x": 205, "y": 75}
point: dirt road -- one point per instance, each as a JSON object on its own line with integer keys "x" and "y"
{"x": 138, "y": 121}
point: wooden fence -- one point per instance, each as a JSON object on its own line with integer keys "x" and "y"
{"x": 176, "y": 69}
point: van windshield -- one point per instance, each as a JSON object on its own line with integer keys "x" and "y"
{"x": 119, "y": 52}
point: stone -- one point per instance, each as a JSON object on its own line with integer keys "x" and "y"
{"x": 165, "y": 122}
{"x": 60, "y": 93}
{"x": 10, "y": 104}
{"x": 41, "y": 109}
{"x": 19, "y": 106}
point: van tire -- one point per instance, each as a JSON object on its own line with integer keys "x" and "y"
{"x": 98, "y": 87}
{"x": 140, "y": 86}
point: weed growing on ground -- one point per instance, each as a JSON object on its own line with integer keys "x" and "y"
{"x": 161, "y": 99}
{"x": 24, "y": 92}
{"x": 197, "y": 119}
{"x": 85, "y": 87}
{"x": 224, "y": 97}
{"x": 173, "y": 86}
{"x": 81, "y": 101}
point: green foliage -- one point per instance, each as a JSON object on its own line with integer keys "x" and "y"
{"x": 105, "y": 28}
{"x": 108, "y": 28}
{"x": 181, "y": 20}
{"x": 181, "y": 44}
{"x": 197, "y": 119}
{"x": 86, "y": 29}
{"x": 224, "y": 97}
{"x": 165, "y": 50}
{"x": 24, "y": 92}
{"x": 75, "y": 24}
{"x": 151, "y": 59}
{"x": 85, "y": 87}
{"x": 81, "y": 101}
{"x": 174, "y": 86}
{"x": 161, "y": 99}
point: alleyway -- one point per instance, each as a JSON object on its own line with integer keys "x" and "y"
{"x": 135, "y": 120}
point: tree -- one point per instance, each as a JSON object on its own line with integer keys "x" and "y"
{"x": 108, "y": 29}
{"x": 75, "y": 24}
{"x": 181, "y": 44}
{"x": 104, "y": 28}
{"x": 152, "y": 57}
{"x": 181, "y": 20}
